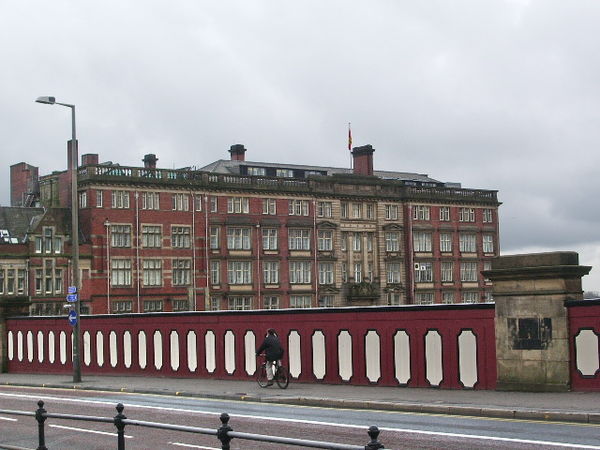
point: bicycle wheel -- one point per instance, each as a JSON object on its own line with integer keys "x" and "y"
{"x": 261, "y": 376}
{"x": 282, "y": 377}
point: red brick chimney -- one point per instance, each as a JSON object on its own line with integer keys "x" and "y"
{"x": 237, "y": 152}
{"x": 150, "y": 161}
{"x": 363, "y": 160}
{"x": 89, "y": 159}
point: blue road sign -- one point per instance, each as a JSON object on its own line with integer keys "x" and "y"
{"x": 72, "y": 290}
{"x": 72, "y": 318}
{"x": 72, "y": 297}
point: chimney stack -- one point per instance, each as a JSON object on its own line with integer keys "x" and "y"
{"x": 237, "y": 152}
{"x": 150, "y": 161}
{"x": 89, "y": 159}
{"x": 363, "y": 160}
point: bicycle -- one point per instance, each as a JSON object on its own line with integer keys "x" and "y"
{"x": 281, "y": 375}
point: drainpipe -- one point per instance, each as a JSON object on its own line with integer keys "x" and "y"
{"x": 206, "y": 260}
{"x": 193, "y": 248}
{"x": 107, "y": 225}
{"x": 258, "y": 272}
{"x": 411, "y": 269}
{"x": 316, "y": 268}
{"x": 137, "y": 248}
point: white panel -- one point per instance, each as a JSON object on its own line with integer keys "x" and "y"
{"x": 29, "y": 346}
{"x": 20, "y": 345}
{"x": 158, "y": 354}
{"x": 467, "y": 358}
{"x": 87, "y": 348}
{"x": 318, "y": 354}
{"x": 433, "y": 358}
{"x": 210, "y": 351}
{"x": 142, "y": 350}
{"x": 294, "y": 354}
{"x": 250, "y": 352}
{"x": 112, "y": 348}
{"x": 345, "y": 355}
{"x": 51, "y": 347}
{"x": 40, "y": 346}
{"x": 402, "y": 356}
{"x": 62, "y": 345}
{"x": 373, "y": 356}
{"x": 174, "y": 340}
{"x": 229, "y": 352}
{"x": 127, "y": 349}
{"x": 11, "y": 350}
{"x": 192, "y": 356}
{"x": 586, "y": 350}
{"x": 99, "y": 348}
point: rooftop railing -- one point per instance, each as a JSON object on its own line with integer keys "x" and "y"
{"x": 395, "y": 189}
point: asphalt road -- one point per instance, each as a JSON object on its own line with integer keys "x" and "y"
{"x": 398, "y": 430}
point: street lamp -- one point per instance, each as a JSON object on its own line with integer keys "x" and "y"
{"x": 74, "y": 236}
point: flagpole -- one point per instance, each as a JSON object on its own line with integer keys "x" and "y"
{"x": 350, "y": 146}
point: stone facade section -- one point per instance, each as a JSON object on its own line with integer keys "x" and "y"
{"x": 532, "y": 336}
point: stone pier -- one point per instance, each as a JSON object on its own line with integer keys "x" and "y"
{"x": 532, "y": 346}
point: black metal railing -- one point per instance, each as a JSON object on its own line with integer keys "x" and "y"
{"x": 224, "y": 433}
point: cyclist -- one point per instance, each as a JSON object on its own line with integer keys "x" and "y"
{"x": 273, "y": 352}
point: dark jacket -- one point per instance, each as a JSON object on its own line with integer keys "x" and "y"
{"x": 272, "y": 348}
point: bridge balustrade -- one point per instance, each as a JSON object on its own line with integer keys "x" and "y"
{"x": 418, "y": 346}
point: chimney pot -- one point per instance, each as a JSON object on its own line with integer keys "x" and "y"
{"x": 150, "y": 161}
{"x": 363, "y": 160}
{"x": 89, "y": 159}
{"x": 237, "y": 152}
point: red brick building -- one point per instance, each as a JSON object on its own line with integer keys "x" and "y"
{"x": 238, "y": 234}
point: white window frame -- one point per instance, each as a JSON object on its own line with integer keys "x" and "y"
{"x": 325, "y": 240}
{"x": 444, "y": 214}
{"x": 299, "y": 239}
{"x": 238, "y": 205}
{"x": 239, "y": 272}
{"x": 269, "y": 239}
{"x": 422, "y": 241}
{"x": 446, "y": 242}
{"x": 238, "y": 238}
{"x": 271, "y": 272}
{"x": 326, "y": 270}
{"x": 298, "y": 207}
{"x": 269, "y": 206}
{"x": 469, "y": 271}
{"x": 300, "y": 272}
{"x": 421, "y": 212}
{"x": 120, "y": 200}
{"x": 392, "y": 241}
{"x": 468, "y": 242}
{"x": 447, "y": 271}
{"x": 391, "y": 212}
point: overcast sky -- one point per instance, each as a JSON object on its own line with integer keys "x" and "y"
{"x": 492, "y": 94}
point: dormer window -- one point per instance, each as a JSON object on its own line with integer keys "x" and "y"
{"x": 259, "y": 171}
{"x": 285, "y": 173}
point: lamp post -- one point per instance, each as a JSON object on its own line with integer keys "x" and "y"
{"x": 74, "y": 236}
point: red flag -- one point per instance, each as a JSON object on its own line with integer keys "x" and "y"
{"x": 349, "y": 137}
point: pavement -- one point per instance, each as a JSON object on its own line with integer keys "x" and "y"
{"x": 552, "y": 406}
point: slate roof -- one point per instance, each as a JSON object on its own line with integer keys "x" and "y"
{"x": 232, "y": 167}
{"x": 17, "y": 221}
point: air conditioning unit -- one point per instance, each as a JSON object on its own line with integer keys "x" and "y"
{"x": 417, "y": 266}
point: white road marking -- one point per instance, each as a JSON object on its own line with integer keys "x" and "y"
{"x": 181, "y": 444}
{"x": 490, "y": 438}
{"x": 313, "y": 422}
{"x": 84, "y": 430}
{"x": 10, "y": 419}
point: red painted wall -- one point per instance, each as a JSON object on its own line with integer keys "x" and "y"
{"x": 583, "y": 315}
{"x": 386, "y": 321}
